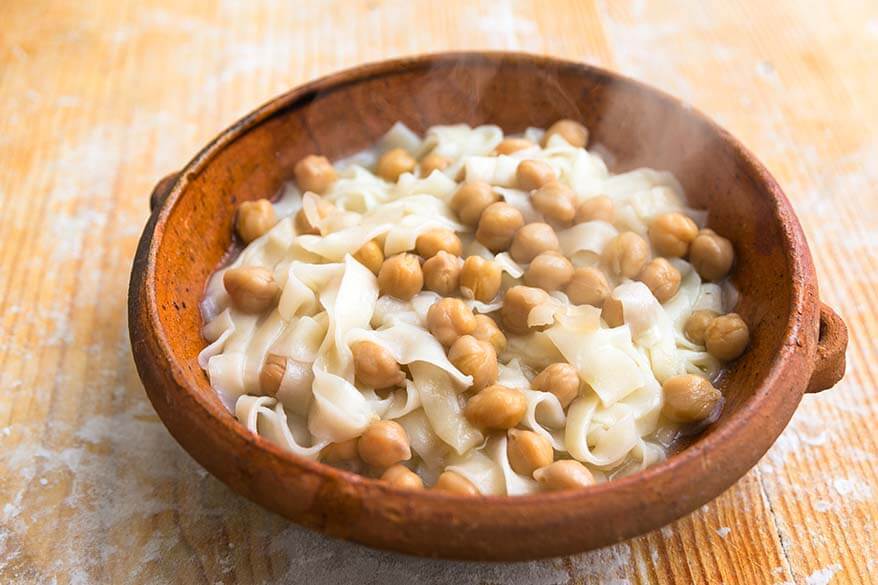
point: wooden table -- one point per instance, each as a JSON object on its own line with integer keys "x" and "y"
{"x": 99, "y": 99}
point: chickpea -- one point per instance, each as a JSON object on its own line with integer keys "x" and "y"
{"x": 555, "y": 201}
{"x": 454, "y": 483}
{"x": 480, "y": 279}
{"x": 252, "y": 289}
{"x": 448, "y": 319}
{"x": 528, "y": 451}
{"x": 689, "y": 398}
{"x": 475, "y": 358}
{"x": 517, "y": 305}
{"x": 711, "y": 255}
{"x": 599, "y": 208}
{"x": 662, "y": 279}
{"x": 487, "y": 330}
{"x": 371, "y": 256}
{"x": 570, "y": 130}
{"x": 384, "y": 443}
{"x": 532, "y": 240}
{"x": 432, "y": 241}
{"x": 498, "y": 225}
{"x": 496, "y": 408}
{"x": 471, "y": 199}
{"x": 403, "y": 478}
{"x": 510, "y": 145}
{"x": 433, "y": 162}
{"x": 393, "y": 163}
{"x": 254, "y": 218}
{"x": 612, "y": 312}
{"x": 549, "y": 271}
{"x": 626, "y": 254}
{"x": 696, "y": 325}
{"x": 374, "y": 366}
{"x": 338, "y": 452}
{"x": 671, "y": 234}
{"x": 401, "y": 276}
{"x": 588, "y": 286}
{"x": 442, "y": 273}
{"x": 566, "y": 474}
{"x": 560, "y": 379}
{"x": 533, "y": 174}
{"x": 314, "y": 173}
{"x": 271, "y": 374}
{"x": 304, "y": 226}
{"x": 726, "y": 337}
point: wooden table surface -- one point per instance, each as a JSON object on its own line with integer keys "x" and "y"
{"x": 99, "y": 99}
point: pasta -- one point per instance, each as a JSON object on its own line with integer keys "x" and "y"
{"x": 582, "y": 332}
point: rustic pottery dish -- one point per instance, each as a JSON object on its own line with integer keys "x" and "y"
{"x": 797, "y": 345}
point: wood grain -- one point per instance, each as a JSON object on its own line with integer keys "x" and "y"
{"x": 99, "y": 101}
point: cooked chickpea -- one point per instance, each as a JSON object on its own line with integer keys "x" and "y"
{"x": 560, "y": 379}
{"x": 454, "y": 483}
{"x": 433, "y": 162}
{"x": 374, "y": 366}
{"x": 570, "y": 130}
{"x": 497, "y": 226}
{"x": 726, "y": 337}
{"x": 696, "y": 325}
{"x": 475, "y": 358}
{"x": 448, "y": 319}
{"x": 487, "y": 330}
{"x": 566, "y": 474}
{"x": 442, "y": 273}
{"x": 401, "y": 276}
{"x": 371, "y": 256}
{"x": 671, "y": 234}
{"x": 271, "y": 374}
{"x": 549, "y": 271}
{"x": 401, "y": 477}
{"x": 496, "y": 408}
{"x": 252, "y": 289}
{"x": 588, "y": 286}
{"x": 471, "y": 199}
{"x": 533, "y": 174}
{"x": 532, "y": 240}
{"x": 432, "y": 241}
{"x": 510, "y": 145}
{"x": 626, "y": 254}
{"x": 393, "y": 163}
{"x": 254, "y": 218}
{"x": 314, "y": 173}
{"x": 599, "y": 208}
{"x": 612, "y": 312}
{"x": 711, "y": 255}
{"x": 555, "y": 201}
{"x": 689, "y": 398}
{"x": 338, "y": 452}
{"x": 517, "y": 305}
{"x": 480, "y": 279}
{"x": 304, "y": 226}
{"x": 384, "y": 443}
{"x": 662, "y": 279}
{"x": 528, "y": 451}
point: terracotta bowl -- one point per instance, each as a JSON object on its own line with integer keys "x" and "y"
{"x": 797, "y": 343}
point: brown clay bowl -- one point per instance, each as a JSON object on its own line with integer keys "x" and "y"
{"x": 797, "y": 343}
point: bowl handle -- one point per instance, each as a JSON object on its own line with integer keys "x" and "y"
{"x": 161, "y": 190}
{"x": 829, "y": 361}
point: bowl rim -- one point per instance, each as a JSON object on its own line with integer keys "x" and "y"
{"x": 795, "y": 251}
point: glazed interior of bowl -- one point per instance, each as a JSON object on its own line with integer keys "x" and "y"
{"x": 343, "y": 114}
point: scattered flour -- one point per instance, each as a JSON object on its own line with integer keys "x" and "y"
{"x": 823, "y": 576}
